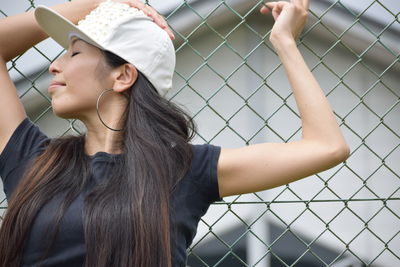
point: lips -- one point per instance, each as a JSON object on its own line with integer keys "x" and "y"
{"x": 53, "y": 85}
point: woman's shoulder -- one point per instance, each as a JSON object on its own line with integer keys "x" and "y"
{"x": 204, "y": 156}
{"x": 205, "y": 149}
{"x": 203, "y": 172}
{"x": 26, "y": 140}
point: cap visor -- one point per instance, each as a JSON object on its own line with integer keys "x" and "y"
{"x": 59, "y": 28}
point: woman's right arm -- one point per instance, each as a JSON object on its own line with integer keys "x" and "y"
{"x": 18, "y": 34}
{"x": 23, "y": 32}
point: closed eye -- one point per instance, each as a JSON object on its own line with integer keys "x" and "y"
{"x": 74, "y": 54}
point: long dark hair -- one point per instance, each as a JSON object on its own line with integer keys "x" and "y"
{"x": 126, "y": 218}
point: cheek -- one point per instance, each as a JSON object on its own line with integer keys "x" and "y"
{"x": 72, "y": 105}
{"x": 78, "y": 77}
{"x": 81, "y": 85}
{"x": 74, "y": 100}
{"x": 81, "y": 73}
{"x": 81, "y": 91}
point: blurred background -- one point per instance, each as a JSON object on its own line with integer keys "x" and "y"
{"x": 232, "y": 83}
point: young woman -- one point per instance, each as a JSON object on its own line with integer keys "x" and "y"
{"x": 132, "y": 189}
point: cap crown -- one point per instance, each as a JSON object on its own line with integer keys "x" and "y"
{"x": 122, "y": 30}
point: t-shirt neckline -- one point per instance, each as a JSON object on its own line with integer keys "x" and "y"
{"x": 103, "y": 155}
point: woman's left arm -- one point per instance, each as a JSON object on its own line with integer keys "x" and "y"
{"x": 263, "y": 166}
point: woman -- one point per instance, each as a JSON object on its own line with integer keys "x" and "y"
{"x": 132, "y": 189}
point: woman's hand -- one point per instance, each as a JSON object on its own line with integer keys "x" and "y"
{"x": 152, "y": 13}
{"x": 290, "y": 18}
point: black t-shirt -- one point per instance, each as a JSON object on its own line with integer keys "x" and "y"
{"x": 189, "y": 202}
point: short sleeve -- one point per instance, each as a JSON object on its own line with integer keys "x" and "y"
{"x": 204, "y": 169}
{"x": 26, "y": 140}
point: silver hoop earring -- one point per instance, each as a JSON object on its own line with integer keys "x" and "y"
{"x": 98, "y": 114}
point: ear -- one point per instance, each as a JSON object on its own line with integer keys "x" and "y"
{"x": 124, "y": 77}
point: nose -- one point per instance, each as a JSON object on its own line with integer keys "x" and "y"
{"x": 55, "y": 67}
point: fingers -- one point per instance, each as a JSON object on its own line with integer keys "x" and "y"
{"x": 276, "y": 11}
{"x": 274, "y": 7}
{"x": 137, "y": 4}
{"x": 159, "y": 20}
{"x": 265, "y": 9}
{"x": 303, "y": 3}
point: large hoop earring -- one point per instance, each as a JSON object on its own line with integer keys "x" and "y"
{"x": 98, "y": 113}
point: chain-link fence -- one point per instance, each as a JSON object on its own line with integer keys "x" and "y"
{"x": 230, "y": 79}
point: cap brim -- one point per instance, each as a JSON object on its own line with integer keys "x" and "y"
{"x": 59, "y": 28}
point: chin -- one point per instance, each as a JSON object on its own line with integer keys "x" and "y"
{"x": 63, "y": 113}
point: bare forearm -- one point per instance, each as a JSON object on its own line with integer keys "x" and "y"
{"x": 318, "y": 120}
{"x": 21, "y": 32}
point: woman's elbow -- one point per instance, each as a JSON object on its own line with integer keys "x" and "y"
{"x": 340, "y": 152}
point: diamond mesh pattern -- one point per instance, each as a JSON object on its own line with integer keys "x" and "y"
{"x": 231, "y": 81}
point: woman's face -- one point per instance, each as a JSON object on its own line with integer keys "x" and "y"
{"x": 79, "y": 80}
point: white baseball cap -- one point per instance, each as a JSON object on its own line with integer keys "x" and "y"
{"x": 122, "y": 30}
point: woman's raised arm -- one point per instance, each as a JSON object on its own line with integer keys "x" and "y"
{"x": 263, "y": 166}
{"x": 23, "y": 32}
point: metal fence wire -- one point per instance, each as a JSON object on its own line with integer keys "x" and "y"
{"x": 231, "y": 81}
